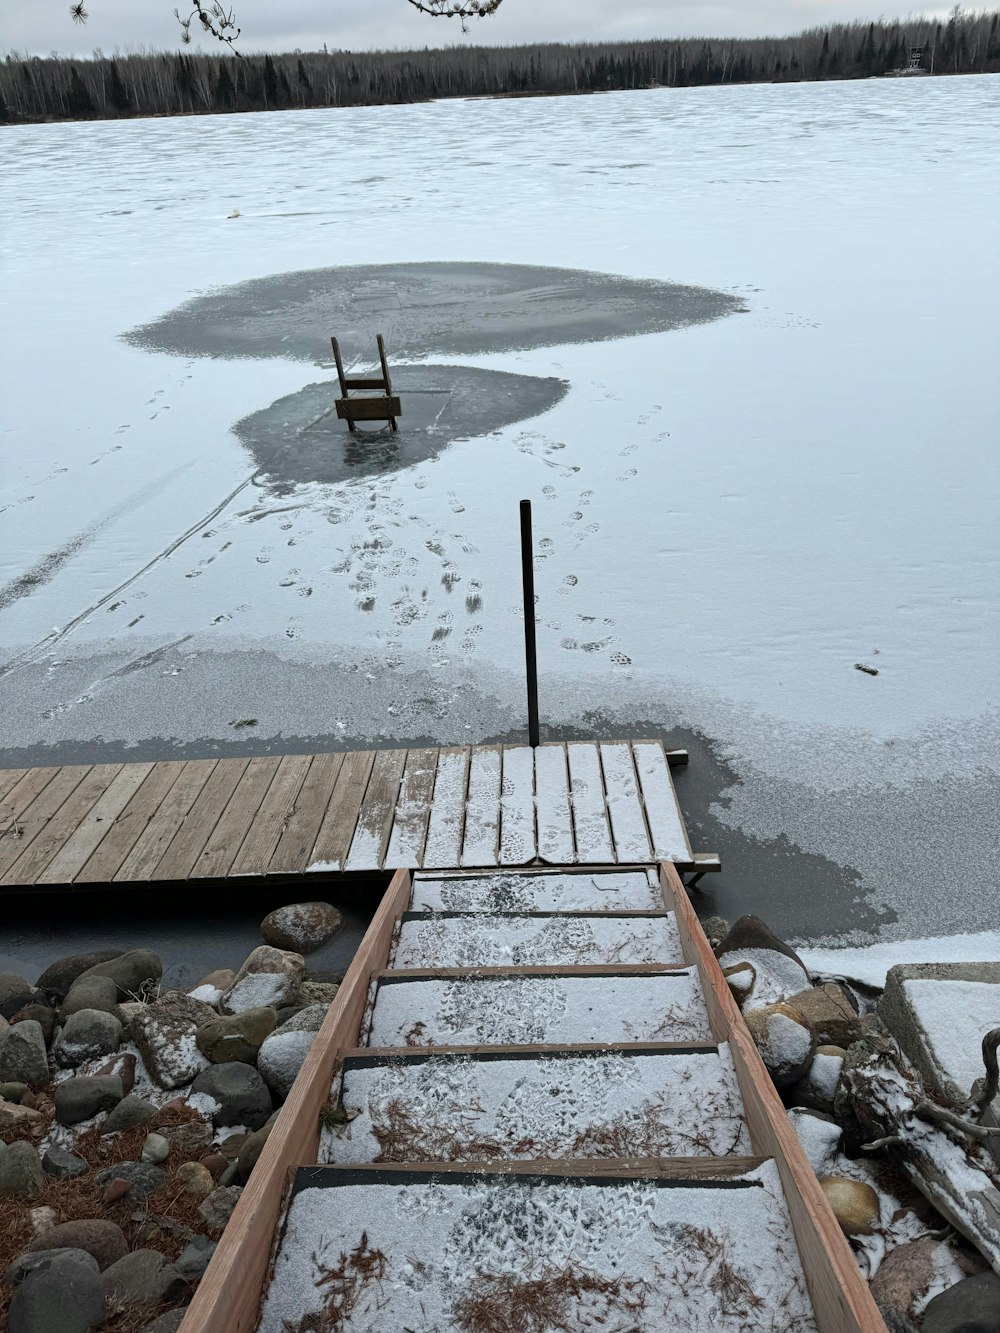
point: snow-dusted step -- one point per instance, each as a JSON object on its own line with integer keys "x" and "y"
{"x": 388, "y": 1250}
{"x": 517, "y": 891}
{"x": 481, "y": 940}
{"x": 423, "y": 1107}
{"x": 520, "y": 1010}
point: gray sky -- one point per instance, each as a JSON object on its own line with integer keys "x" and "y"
{"x": 40, "y": 26}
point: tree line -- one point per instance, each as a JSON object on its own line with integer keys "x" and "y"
{"x": 165, "y": 84}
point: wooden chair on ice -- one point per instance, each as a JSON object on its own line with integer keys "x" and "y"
{"x": 372, "y": 407}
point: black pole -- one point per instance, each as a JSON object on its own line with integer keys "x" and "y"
{"x": 530, "y": 662}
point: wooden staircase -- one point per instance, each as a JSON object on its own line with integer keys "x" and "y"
{"x": 539, "y": 1103}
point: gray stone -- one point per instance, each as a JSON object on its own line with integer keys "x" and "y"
{"x": 252, "y": 1147}
{"x": 831, "y": 1013}
{"x": 21, "y": 1174}
{"x": 971, "y": 1306}
{"x": 14, "y": 1116}
{"x": 194, "y": 1258}
{"x": 784, "y": 1041}
{"x": 86, "y": 1035}
{"x": 62, "y": 1164}
{"x": 231, "y": 1175}
{"x": 236, "y": 1036}
{"x": 42, "y": 1014}
{"x": 142, "y": 1178}
{"x": 281, "y": 1054}
{"x": 165, "y": 1035}
{"x": 26, "y": 1263}
{"x": 906, "y": 1273}
{"x": 156, "y": 1149}
{"x": 820, "y": 1136}
{"x": 12, "y": 1092}
{"x": 90, "y": 993}
{"x": 104, "y": 1240}
{"x": 779, "y": 970}
{"x": 60, "y": 975}
{"x": 23, "y": 1057}
{"x": 15, "y": 993}
{"x": 142, "y": 1278}
{"x": 129, "y": 1112}
{"x": 167, "y": 1323}
{"x": 84, "y": 1096}
{"x": 132, "y": 972}
{"x": 239, "y": 1091}
{"x": 301, "y": 927}
{"x": 318, "y": 992}
{"x": 269, "y": 978}
{"x": 62, "y": 1295}
{"x": 217, "y": 1209}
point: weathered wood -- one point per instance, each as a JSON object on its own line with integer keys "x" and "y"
{"x": 227, "y": 1298}
{"x": 20, "y": 833}
{"x": 360, "y": 382}
{"x": 590, "y": 810}
{"x": 416, "y": 1054}
{"x": 47, "y": 844}
{"x": 628, "y": 826}
{"x": 377, "y": 811}
{"x": 404, "y": 974}
{"x": 701, "y": 1169}
{"x": 236, "y": 819}
{"x": 482, "y": 808}
{"x": 257, "y": 848}
{"x": 409, "y": 826}
{"x": 663, "y": 814}
{"x": 369, "y": 409}
{"x": 341, "y": 817}
{"x": 9, "y": 778}
{"x": 124, "y": 833}
{"x": 27, "y": 788}
{"x": 99, "y": 820}
{"x": 196, "y": 826}
{"x": 447, "y": 821}
{"x": 301, "y": 828}
{"x": 517, "y": 805}
{"x": 153, "y": 841}
{"x": 555, "y": 821}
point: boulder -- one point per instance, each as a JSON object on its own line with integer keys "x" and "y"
{"x": 740, "y": 979}
{"x": 142, "y": 1278}
{"x": 301, "y": 927}
{"x": 282, "y": 1053}
{"x": 27, "y": 1262}
{"x": 818, "y": 1086}
{"x": 84, "y": 1096}
{"x": 318, "y": 992}
{"x": 190, "y": 1138}
{"x": 239, "y": 1092}
{"x": 86, "y": 1035}
{"x": 19, "y": 1118}
{"x": 252, "y": 1146}
{"x": 165, "y": 1035}
{"x": 12, "y": 1092}
{"x": 124, "y": 1065}
{"x": 779, "y": 970}
{"x": 60, "y": 975}
{"x": 906, "y": 1273}
{"x": 236, "y": 1037}
{"x": 42, "y": 1014}
{"x": 23, "y": 1057}
{"x": 132, "y": 972}
{"x": 194, "y": 1258}
{"x": 830, "y": 1013}
{"x": 128, "y": 1009}
{"x": 855, "y": 1205}
{"x": 62, "y": 1164}
{"x": 15, "y": 993}
{"x": 142, "y": 1178}
{"x": 217, "y": 1209}
{"x": 90, "y": 993}
{"x": 104, "y": 1240}
{"x": 211, "y": 988}
{"x": 21, "y": 1174}
{"x": 129, "y": 1112}
{"x": 971, "y": 1306}
{"x": 42, "y": 1219}
{"x": 156, "y": 1149}
{"x": 62, "y": 1293}
{"x": 783, "y": 1040}
{"x": 195, "y": 1178}
{"x": 269, "y": 978}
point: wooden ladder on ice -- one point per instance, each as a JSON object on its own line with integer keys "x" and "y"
{"x": 536, "y": 1086}
{"x": 371, "y": 407}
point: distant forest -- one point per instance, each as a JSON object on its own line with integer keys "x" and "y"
{"x": 162, "y": 84}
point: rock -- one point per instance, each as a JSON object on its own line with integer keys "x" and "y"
{"x": 895, "y": 1322}
{"x": 142, "y": 1178}
{"x": 29, "y": 1261}
{"x": 230, "y": 1146}
{"x": 318, "y": 992}
{"x": 165, "y": 1036}
{"x": 167, "y": 1323}
{"x": 971, "y": 1306}
{"x": 740, "y": 979}
{"x": 240, "y": 1093}
{"x": 211, "y": 988}
{"x": 906, "y": 1273}
{"x": 156, "y": 1149}
{"x": 716, "y": 929}
{"x": 62, "y": 1164}
{"x": 104, "y": 1240}
{"x": 124, "y": 1065}
{"x": 41, "y": 1014}
{"x": 142, "y": 1278}
{"x": 42, "y": 1220}
{"x": 282, "y": 1053}
{"x": 818, "y": 1087}
{"x": 60, "y": 975}
{"x": 783, "y": 1040}
{"x": 84, "y": 1096}
{"x": 289, "y": 1011}
{"x": 301, "y": 927}
{"x": 12, "y": 1092}
{"x": 15, "y": 993}
{"x": 60, "y": 1294}
{"x": 194, "y": 1259}
{"x": 237, "y": 1037}
{"x": 855, "y": 1205}
{"x": 129, "y": 1112}
{"x": 190, "y": 1138}
{"x": 19, "y": 1118}
{"x": 216, "y": 1163}
{"x": 90, "y": 993}
{"x": 21, "y": 1173}
{"x": 23, "y": 1057}
{"x": 231, "y": 1175}
{"x": 820, "y": 1136}
{"x": 780, "y": 972}
{"x": 269, "y": 978}
{"x": 86, "y": 1035}
{"x": 252, "y": 1147}
{"x": 132, "y": 972}
{"x": 217, "y": 1208}
{"x": 195, "y": 1178}
{"x": 829, "y": 1012}
{"x": 128, "y": 1010}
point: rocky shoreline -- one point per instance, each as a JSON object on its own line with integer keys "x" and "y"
{"x": 131, "y": 1118}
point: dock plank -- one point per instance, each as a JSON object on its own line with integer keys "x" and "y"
{"x": 62, "y": 826}
{"x": 9, "y": 778}
{"x": 196, "y": 826}
{"x": 666, "y": 824}
{"x": 235, "y": 821}
{"x": 628, "y": 825}
{"x": 555, "y": 821}
{"x": 153, "y": 841}
{"x": 447, "y": 820}
{"x": 258, "y": 847}
{"x": 31, "y": 783}
{"x": 517, "y": 806}
{"x": 336, "y": 832}
{"x": 482, "y": 808}
{"x": 377, "y": 811}
{"x": 95, "y": 825}
{"x": 409, "y": 828}
{"x": 126, "y": 830}
{"x": 18, "y": 835}
{"x": 590, "y": 809}
{"x": 291, "y": 855}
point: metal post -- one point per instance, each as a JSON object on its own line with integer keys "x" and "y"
{"x": 528, "y": 582}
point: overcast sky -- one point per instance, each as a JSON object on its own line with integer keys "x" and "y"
{"x": 41, "y": 26}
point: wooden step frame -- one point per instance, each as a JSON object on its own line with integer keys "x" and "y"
{"x": 387, "y": 407}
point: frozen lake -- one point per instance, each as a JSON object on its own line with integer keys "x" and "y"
{"x": 729, "y": 514}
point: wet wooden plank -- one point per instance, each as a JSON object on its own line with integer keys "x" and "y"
{"x": 555, "y": 822}
{"x": 628, "y": 825}
{"x": 153, "y": 841}
{"x": 257, "y": 848}
{"x": 298, "y": 834}
{"x": 482, "y": 808}
{"x": 377, "y": 812}
{"x": 31, "y": 783}
{"x": 590, "y": 811}
{"x": 92, "y": 829}
{"x": 60, "y": 829}
{"x": 196, "y": 826}
{"x": 19, "y": 834}
{"x": 666, "y": 823}
{"x": 235, "y": 821}
{"x": 126, "y": 830}
{"x": 447, "y": 821}
{"x": 517, "y": 806}
{"x": 9, "y": 778}
{"x": 336, "y": 832}
{"x": 409, "y": 828}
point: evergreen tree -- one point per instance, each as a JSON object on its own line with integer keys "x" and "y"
{"x": 225, "y": 92}
{"x": 117, "y": 92}
{"x": 270, "y": 80}
{"x": 78, "y": 100}
{"x": 303, "y": 78}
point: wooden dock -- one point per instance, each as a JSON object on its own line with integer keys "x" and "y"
{"x": 579, "y": 803}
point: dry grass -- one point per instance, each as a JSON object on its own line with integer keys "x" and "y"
{"x": 508, "y": 1304}
{"x": 346, "y": 1284}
